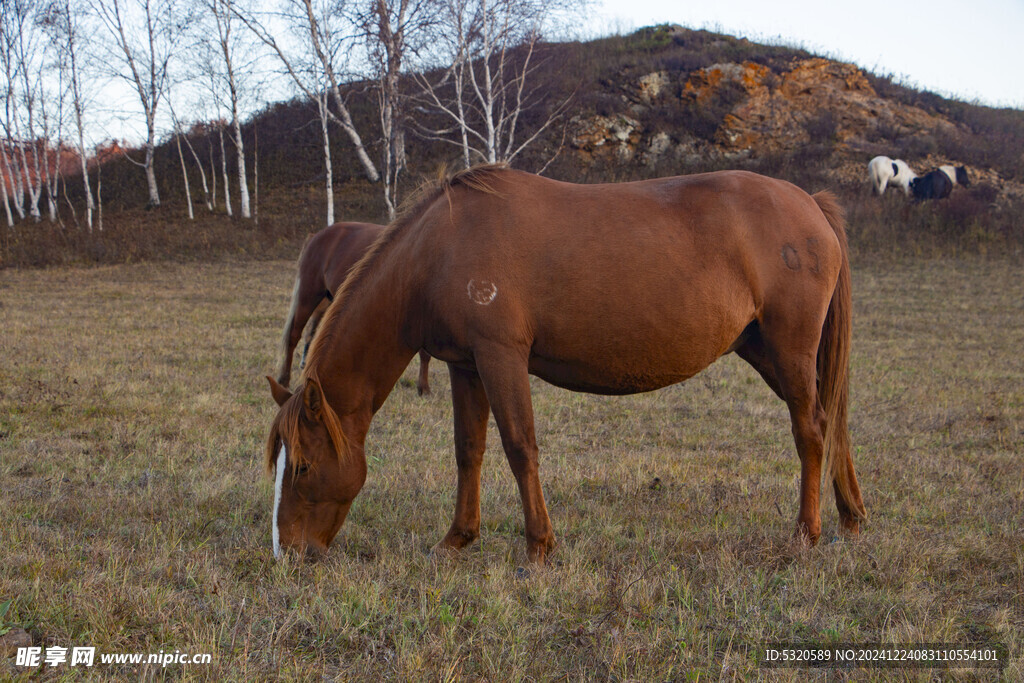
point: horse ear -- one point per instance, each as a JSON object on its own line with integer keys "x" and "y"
{"x": 313, "y": 398}
{"x": 279, "y": 393}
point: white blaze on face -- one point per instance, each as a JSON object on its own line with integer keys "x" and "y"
{"x": 282, "y": 462}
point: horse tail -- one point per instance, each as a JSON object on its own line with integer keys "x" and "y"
{"x": 834, "y": 367}
{"x": 284, "y": 364}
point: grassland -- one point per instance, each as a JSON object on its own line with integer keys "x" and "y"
{"x": 135, "y": 514}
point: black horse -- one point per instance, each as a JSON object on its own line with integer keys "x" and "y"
{"x": 932, "y": 185}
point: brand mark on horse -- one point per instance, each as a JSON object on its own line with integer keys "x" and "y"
{"x": 790, "y": 256}
{"x": 482, "y": 292}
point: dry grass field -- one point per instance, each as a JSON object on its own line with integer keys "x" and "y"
{"x": 135, "y": 513}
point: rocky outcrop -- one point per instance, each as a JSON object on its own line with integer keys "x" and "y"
{"x": 816, "y": 100}
{"x": 820, "y": 104}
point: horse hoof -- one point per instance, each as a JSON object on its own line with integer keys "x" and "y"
{"x": 443, "y": 550}
{"x": 805, "y": 538}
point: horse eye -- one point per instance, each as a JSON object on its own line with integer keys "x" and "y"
{"x": 302, "y": 469}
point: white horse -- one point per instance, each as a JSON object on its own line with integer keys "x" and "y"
{"x": 883, "y": 172}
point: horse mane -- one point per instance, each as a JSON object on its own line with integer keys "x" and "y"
{"x": 480, "y": 178}
{"x": 286, "y": 426}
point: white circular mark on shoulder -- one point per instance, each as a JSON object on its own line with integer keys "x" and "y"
{"x": 482, "y": 292}
{"x": 282, "y": 462}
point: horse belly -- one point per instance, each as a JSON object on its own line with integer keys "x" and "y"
{"x": 634, "y": 345}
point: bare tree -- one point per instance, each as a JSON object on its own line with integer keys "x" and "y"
{"x": 490, "y": 48}
{"x": 207, "y": 198}
{"x": 6, "y": 174}
{"x": 394, "y": 29}
{"x": 52, "y": 143}
{"x": 184, "y": 168}
{"x": 224, "y": 168}
{"x": 20, "y": 49}
{"x": 66, "y": 33}
{"x": 322, "y": 107}
{"x": 225, "y": 80}
{"x": 144, "y": 63}
{"x": 324, "y": 37}
{"x": 10, "y": 144}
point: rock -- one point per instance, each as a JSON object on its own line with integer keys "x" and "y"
{"x": 652, "y": 86}
{"x": 661, "y": 143}
{"x": 606, "y": 137}
{"x": 12, "y": 640}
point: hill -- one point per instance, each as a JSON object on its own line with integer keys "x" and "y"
{"x": 661, "y": 101}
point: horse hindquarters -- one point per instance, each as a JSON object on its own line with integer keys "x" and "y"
{"x": 804, "y": 358}
{"x": 880, "y": 171}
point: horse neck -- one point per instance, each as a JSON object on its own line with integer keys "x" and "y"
{"x": 363, "y": 352}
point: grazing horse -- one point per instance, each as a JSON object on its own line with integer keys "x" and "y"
{"x": 609, "y": 289}
{"x": 932, "y": 185}
{"x": 957, "y": 174}
{"x": 326, "y": 259}
{"x": 883, "y": 172}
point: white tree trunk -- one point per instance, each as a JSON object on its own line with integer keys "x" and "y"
{"x": 34, "y": 185}
{"x": 328, "y": 165}
{"x": 202, "y": 174}
{"x": 184, "y": 175}
{"x": 17, "y": 188}
{"x": 7, "y": 205}
{"x": 243, "y": 183}
{"x": 224, "y": 172}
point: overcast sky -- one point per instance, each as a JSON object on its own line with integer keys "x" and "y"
{"x": 971, "y": 50}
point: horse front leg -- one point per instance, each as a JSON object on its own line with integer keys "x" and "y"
{"x": 507, "y": 381}
{"x": 471, "y": 409}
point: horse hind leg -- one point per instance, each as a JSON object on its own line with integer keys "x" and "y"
{"x": 311, "y": 328}
{"x": 793, "y": 378}
{"x": 306, "y": 296}
{"x": 289, "y": 338}
{"x": 423, "y": 381}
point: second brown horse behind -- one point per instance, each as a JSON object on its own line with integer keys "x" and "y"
{"x": 326, "y": 260}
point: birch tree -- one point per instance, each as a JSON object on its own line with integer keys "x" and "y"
{"x": 224, "y": 54}
{"x": 19, "y": 46}
{"x": 490, "y": 47}
{"x": 321, "y": 42}
{"x": 144, "y": 34}
{"x": 66, "y": 34}
{"x": 178, "y": 134}
{"x": 8, "y": 171}
{"x": 394, "y": 30}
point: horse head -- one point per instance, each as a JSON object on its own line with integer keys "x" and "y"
{"x": 317, "y": 474}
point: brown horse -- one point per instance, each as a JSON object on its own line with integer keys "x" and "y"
{"x": 326, "y": 259}
{"x": 612, "y": 289}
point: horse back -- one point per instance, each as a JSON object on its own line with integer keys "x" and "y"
{"x": 671, "y": 270}
{"x": 330, "y": 253}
